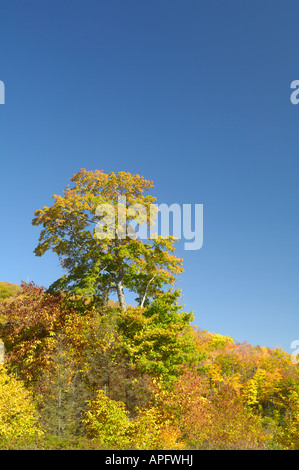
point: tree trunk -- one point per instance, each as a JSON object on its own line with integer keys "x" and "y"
{"x": 120, "y": 293}
{"x": 146, "y": 289}
{"x": 105, "y": 299}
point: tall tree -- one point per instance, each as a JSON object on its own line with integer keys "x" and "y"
{"x": 92, "y": 228}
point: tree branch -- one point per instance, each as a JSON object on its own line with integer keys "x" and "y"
{"x": 146, "y": 289}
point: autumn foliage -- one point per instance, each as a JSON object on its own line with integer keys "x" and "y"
{"x": 85, "y": 371}
{"x": 18, "y": 411}
{"x": 97, "y": 376}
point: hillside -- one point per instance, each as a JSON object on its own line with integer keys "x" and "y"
{"x": 140, "y": 379}
{"x": 8, "y": 289}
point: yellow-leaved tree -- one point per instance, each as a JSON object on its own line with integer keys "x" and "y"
{"x": 92, "y": 229}
{"x": 18, "y": 414}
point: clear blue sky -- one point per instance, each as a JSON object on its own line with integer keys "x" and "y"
{"x": 194, "y": 95}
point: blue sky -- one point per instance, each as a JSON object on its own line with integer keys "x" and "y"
{"x": 194, "y": 95}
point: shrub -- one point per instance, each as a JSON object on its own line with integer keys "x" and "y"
{"x": 107, "y": 421}
{"x": 18, "y": 414}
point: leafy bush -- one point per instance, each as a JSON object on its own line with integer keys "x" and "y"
{"x": 18, "y": 415}
{"x": 107, "y": 421}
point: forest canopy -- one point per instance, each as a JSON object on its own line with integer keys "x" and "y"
{"x": 87, "y": 371}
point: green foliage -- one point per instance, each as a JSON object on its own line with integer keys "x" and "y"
{"x": 7, "y": 290}
{"x": 108, "y": 421}
{"x": 158, "y": 339}
{"x": 96, "y": 265}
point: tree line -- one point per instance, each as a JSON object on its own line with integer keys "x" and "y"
{"x": 85, "y": 371}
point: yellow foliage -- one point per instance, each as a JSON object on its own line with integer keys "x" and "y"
{"x": 152, "y": 429}
{"x": 108, "y": 422}
{"x": 250, "y": 392}
{"x": 288, "y": 436}
{"x": 18, "y": 415}
{"x": 215, "y": 374}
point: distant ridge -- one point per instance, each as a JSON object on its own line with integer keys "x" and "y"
{"x": 8, "y": 289}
